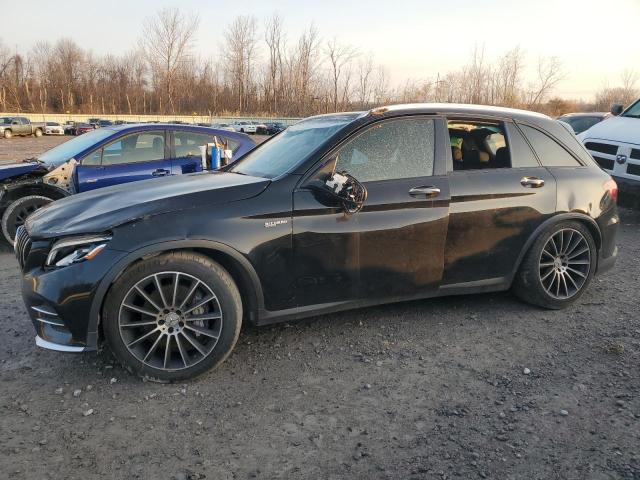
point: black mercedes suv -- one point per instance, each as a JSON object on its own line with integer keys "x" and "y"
{"x": 338, "y": 211}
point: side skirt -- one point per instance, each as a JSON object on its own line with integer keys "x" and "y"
{"x": 266, "y": 317}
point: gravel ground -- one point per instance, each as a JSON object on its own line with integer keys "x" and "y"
{"x": 462, "y": 387}
{"x": 19, "y": 148}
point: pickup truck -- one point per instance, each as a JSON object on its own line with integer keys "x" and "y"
{"x": 108, "y": 156}
{"x": 615, "y": 145}
{"x": 10, "y": 126}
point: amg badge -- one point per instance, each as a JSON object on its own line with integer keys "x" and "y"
{"x": 275, "y": 223}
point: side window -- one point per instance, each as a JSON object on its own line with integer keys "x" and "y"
{"x": 94, "y": 159}
{"x": 139, "y": 147}
{"x": 393, "y": 149}
{"x": 478, "y": 144}
{"x": 550, "y": 152}
{"x": 187, "y": 143}
{"x": 521, "y": 154}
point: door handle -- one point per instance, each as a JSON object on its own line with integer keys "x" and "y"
{"x": 533, "y": 182}
{"x": 160, "y": 172}
{"x": 424, "y": 192}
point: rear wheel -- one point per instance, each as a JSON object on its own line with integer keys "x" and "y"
{"x": 558, "y": 267}
{"x": 18, "y": 211}
{"x": 38, "y": 132}
{"x": 173, "y": 317}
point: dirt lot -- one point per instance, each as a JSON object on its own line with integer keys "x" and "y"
{"x": 420, "y": 390}
{"x": 19, "y": 148}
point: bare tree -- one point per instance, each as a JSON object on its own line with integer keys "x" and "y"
{"x": 507, "y": 77}
{"x": 168, "y": 39}
{"x": 380, "y": 86}
{"x": 364, "y": 87}
{"x": 241, "y": 45}
{"x": 274, "y": 37}
{"x": 303, "y": 68}
{"x": 339, "y": 57}
{"x": 549, "y": 74}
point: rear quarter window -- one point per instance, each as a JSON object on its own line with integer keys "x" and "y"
{"x": 550, "y": 152}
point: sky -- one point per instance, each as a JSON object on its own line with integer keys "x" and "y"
{"x": 414, "y": 39}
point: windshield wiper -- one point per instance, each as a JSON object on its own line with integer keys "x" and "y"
{"x": 630, "y": 115}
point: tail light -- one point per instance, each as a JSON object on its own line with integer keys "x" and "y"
{"x": 611, "y": 187}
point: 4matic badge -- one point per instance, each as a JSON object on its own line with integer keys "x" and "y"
{"x": 275, "y": 223}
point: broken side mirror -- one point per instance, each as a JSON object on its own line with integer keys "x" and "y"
{"x": 616, "y": 109}
{"x": 350, "y": 192}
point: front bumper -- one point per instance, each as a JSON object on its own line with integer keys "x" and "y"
{"x": 42, "y": 343}
{"x": 59, "y": 302}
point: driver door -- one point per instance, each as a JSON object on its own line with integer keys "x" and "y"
{"x": 394, "y": 246}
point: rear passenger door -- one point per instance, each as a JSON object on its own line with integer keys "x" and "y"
{"x": 133, "y": 157}
{"x": 499, "y": 195}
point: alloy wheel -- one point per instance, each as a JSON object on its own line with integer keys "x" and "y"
{"x": 170, "y": 320}
{"x": 565, "y": 263}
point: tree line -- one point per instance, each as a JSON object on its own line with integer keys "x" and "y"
{"x": 261, "y": 70}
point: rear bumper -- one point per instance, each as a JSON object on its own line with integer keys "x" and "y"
{"x": 627, "y": 186}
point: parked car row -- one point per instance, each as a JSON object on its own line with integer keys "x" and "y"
{"x": 338, "y": 211}
{"x": 21, "y": 126}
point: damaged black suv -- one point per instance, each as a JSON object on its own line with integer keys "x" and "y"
{"x": 336, "y": 212}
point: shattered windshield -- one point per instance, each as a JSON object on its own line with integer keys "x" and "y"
{"x": 633, "y": 111}
{"x": 291, "y": 147}
{"x": 68, "y": 150}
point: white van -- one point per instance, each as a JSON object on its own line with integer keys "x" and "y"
{"x": 615, "y": 145}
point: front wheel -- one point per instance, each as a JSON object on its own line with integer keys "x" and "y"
{"x": 558, "y": 267}
{"x": 8, "y": 134}
{"x": 173, "y": 317}
{"x": 18, "y": 211}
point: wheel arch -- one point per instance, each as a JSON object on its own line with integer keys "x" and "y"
{"x": 234, "y": 262}
{"x": 13, "y": 192}
{"x": 587, "y": 221}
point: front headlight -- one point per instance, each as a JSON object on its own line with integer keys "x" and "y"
{"x": 76, "y": 249}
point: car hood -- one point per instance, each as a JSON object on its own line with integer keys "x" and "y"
{"x": 616, "y": 129}
{"x": 16, "y": 169}
{"x": 102, "y": 209}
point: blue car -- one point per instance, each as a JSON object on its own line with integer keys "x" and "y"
{"x": 104, "y": 157}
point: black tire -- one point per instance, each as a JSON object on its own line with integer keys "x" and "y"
{"x": 37, "y": 133}
{"x": 533, "y": 282}
{"x": 186, "y": 360}
{"x": 17, "y": 212}
{"x": 8, "y": 134}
